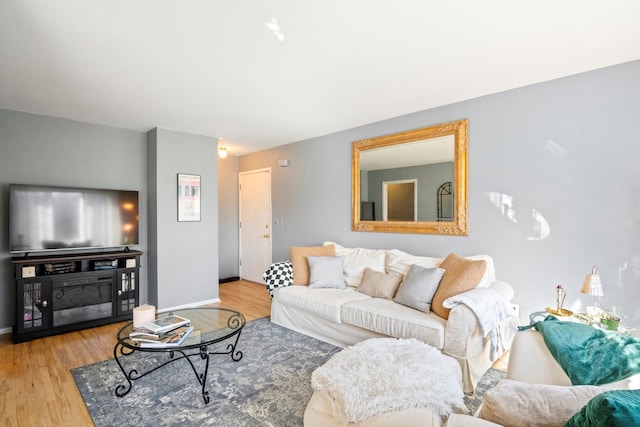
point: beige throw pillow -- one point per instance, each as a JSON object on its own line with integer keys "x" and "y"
{"x": 300, "y": 263}
{"x": 378, "y": 284}
{"x": 460, "y": 275}
{"x": 514, "y": 403}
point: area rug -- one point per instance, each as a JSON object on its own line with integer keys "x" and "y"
{"x": 269, "y": 386}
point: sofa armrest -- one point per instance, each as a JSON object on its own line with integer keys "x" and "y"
{"x": 459, "y": 420}
{"x": 463, "y": 335}
{"x": 530, "y": 361}
{"x": 278, "y": 275}
{"x": 503, "y": 288}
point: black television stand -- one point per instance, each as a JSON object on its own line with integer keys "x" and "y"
{"x": 63, "y": 293}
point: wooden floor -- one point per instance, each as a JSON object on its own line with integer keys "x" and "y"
{"x": 36, "y": 386}
{"x": 37, "y": 389}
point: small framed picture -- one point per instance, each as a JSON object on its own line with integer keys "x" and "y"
{"x": 188, "y": 197}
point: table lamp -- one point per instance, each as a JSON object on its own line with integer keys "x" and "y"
{"x": 593, "y": 286}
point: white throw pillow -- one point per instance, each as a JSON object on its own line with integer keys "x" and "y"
{"x": 357, "y": 259}
{"x": 400, "y": 262}
{"x": 326, "y": 272}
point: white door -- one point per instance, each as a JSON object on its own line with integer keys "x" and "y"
{"x": 255, "y": 223}
{"x": 399, "y": 200}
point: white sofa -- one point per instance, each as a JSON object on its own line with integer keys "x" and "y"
{"x": 345, "y": 317}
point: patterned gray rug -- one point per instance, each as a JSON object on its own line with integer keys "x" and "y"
{"x": 269, "y": 386}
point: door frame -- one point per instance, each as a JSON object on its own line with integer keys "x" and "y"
{"x": 385, "y": 197}
{"x": 249, "y": 172}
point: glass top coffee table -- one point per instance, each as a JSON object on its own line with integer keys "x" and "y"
{"x": 210, "y": 326}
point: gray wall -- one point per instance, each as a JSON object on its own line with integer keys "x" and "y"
{"x": 44, "y": 150}
{"x": 183, "y": 255}
{"x": 180, "y": 261}
{"x": 228, "y": 217}
{"x": 568, "y": 149}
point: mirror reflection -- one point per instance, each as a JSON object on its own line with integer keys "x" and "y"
{"x": 413, "y": 181}
{"x": 402, "y": 182}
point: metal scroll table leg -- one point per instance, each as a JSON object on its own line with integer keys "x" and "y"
{"x": 204, "y": 354}
{"x": 123, "y": 389}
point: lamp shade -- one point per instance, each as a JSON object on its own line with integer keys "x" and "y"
{"x": 592, "y": 284}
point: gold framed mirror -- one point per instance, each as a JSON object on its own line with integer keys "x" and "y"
{"x": 412, "y": 182}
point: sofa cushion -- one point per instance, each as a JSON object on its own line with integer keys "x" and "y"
{"x": 400, "y": 262}
{"x": 618, "y": 408}
{"x": 326, "y": 272}
{"x": 300, "y": 263}
{"x": 394, "y": 320}
{"x": 418, "y": 288}
{"x": 515, "y": 403}
{"x": 325, "y": 303}
{"x": 460, "y": 275}
{"x": 357, "y": 259}
{"x": 379, "y": 284}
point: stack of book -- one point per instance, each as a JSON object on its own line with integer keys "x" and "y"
{"x": 59, "y": 267}
{"x": 170, "y": 331}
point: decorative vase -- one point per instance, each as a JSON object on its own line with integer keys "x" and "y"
{"x": 560, "y": 296}
{"x": 611, "y": 325}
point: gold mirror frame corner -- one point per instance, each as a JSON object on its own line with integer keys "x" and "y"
{"x": 459, "y": 226}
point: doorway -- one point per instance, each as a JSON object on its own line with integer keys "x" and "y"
{"x": 399, "y": 200}
{"x": 255, "y": 223}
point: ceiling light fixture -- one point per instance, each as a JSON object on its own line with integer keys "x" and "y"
{"x": 222, "y": 152}
{"x": 275, "y": 28}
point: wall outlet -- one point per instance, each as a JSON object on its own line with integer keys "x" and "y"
{"x": 515, "y": 309}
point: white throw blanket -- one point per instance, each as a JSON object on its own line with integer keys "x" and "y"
{"x": 382, "y": 375}
{"x": 490, "y": 308}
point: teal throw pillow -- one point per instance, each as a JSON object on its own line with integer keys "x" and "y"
{"x": 615, "y": 408}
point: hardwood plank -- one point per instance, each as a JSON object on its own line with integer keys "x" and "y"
{"x": 36, "y": 386}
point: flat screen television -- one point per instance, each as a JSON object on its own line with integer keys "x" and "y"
{"x": 44, "y": 218}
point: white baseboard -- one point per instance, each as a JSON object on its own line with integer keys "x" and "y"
{"x": 6, "y": 330}
{"x": 190, "y": 305}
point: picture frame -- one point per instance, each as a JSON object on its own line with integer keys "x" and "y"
{"x": 189, "y": 191}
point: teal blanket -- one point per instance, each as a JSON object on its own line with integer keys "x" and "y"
{"x": 588, "y": 355}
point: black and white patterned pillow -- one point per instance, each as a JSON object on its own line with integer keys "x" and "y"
{"x": 278, "y": 275}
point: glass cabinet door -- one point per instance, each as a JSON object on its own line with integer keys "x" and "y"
{"x": 127, "y": 290}
{"x": 34, "y": 308}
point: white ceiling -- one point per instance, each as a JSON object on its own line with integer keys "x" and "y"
{"x": 262, "y": 73}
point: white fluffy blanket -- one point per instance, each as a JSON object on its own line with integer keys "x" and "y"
{"x": 382, "y": 375}
{"x": 490, "y": 308}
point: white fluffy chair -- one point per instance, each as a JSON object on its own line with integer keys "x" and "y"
{"x": 385, "y": 382}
